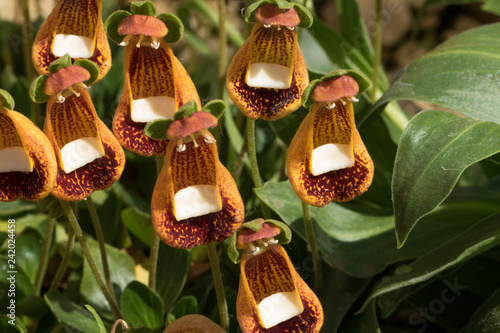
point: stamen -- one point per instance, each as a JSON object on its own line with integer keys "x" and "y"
{"x": 194, "y": 140}
{"x": 60, "y": 98}
{"x": 291, "y": 28}
{"x": 138, "y": 45}
{"x": 330, "y": 106}
{"x": 353, "y": 99}
{"x": 266, "y": 25}
{"x": 279, "y": 27}
{"x": 271, "y": 240}
{"x": 154, "y": 43}
{"x": 261, "y": 242}
{"x": 207, "y": 136}
{"x": 81, "y": 85}
{"x": 253, "y": 248}
{"x": 126, "y": 40}
{"x": 73, "y": 91}
{"x": 180, "y": 146}
{"x": 343, "y": 101}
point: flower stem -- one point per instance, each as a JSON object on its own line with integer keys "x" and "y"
{"x": 378, "y": 49}
{"x": 219, "y": 287}
{"x": 254, "y": 166}
{"x": 40, "y": 273}
{"x": 65, "y": 260}
{"x": 90, "y": 259}
{"x": 311, "y": 238}
{"x": 102, "y": 244}
{"x": 155, "y": 242}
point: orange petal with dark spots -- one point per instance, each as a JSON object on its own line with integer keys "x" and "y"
{"x": 271, "y": 46}
{"x": 64, "y": 78}
{"x": 195, "y": 166}
{"x": 18, "y": 131}
{"x": 320, "y": 127}
{"x": 72, "y": 120}
{"x": 268, "y": 273}
{"x": 143, "y": 25}
{"x": 150, "y": 73}
{"x": 74, "y": 18}
{"x": 273, "y": 15}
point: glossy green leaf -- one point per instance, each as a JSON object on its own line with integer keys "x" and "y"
{"x": 171, "y": 276}
{"x": 29, "y": 244}
{"x": 122, "y": 269}
{"x": 462, "y": 74}
{"x": 487, "y": 318}
{"x": 100, "y": 324}
{"x": 139, "y": 224}
{"x": 141, "y": 306}
{"x": 73, "y": 317}
{"x": 475, "y": 240}
{"x": 186, "y": 305}
{"x": 361, "y": 243}
{"x": 434, "y": 150}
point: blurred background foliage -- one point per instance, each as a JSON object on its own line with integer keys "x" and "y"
{"x": 437, "y": 175}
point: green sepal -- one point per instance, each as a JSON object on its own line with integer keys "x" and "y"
{"x": 174, "y": 26}
{"x": 359, "y": 77}
{"x": 36, "y": 89}
{"x": 157, "y": 129}
{"x": 284, "y": 237}
{"x": 143, "y": 8}
{"x": 51, "y": 206}
{"x": 306, "y": 18}
{"x": 113, "y": 22}
{"x": 62, "y": 62}
{"x": 6, "y": 100}
{"x": 215, "y": 107}
{"x": 91, "y": 67}
{"x": 186, "y": 110}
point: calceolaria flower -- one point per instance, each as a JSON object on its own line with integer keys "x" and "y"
{"x": 74, "y": 28}
{"x": 27, "y": 161}
{"x": 193, "y": 323}
{"x": 156, "y": 84}
{"x": 268, "y": 74}
{"x": 272, "y": 297}
{"x": 195, "y": 200}
{"x": 327, "y": 159}
{"x": 88, "y": 155}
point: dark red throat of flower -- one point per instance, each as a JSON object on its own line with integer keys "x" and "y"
{"x": 143, "y": 25}
{"x": 184, "y": 127}
{"x": 247, "y": 235}
{"x": 334, "y": 89}
{"x": 270, "y": 14}
{"x": 64, "y": 78}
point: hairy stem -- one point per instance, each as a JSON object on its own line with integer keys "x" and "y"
{"x": 61, "y": 270}
{"x": 102, "y": 244}
{"x": 311, "y": 238}
{"x": 219, "y": 287}
{"x": 378, "y": 50}
{"x": 90, "y": 259}
{"x": 155, "y": 242}
{"x": 40, "y": 273}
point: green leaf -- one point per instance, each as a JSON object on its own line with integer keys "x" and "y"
{"x": 174, "y": 26}
{"x": 171, "y": 277}
{"x": 492, "y": 6}
{"x": 112, "y": 23}
{"x": 50, "y": 205}
{"x": 462, "y": 74}
{"x": 157, "y": 129}
{"x": 366, "y": 322}
{"x": 30, "y": 244}
{"x": 9, "y": 209}
{"x": 487, "y": 318}
{"x": 141, "y": 306}
{"x": 122, "y": 269}
{"x": 434, "y": 150}
{"x": 98, "y": 319}
{"x": 59, "y": 63}
{"x": 73, "y": 317}
{"x": 6, "y": 100}
{"x": 143, "y": 8}
{"x": 216, "y": 107}
{"x": 186, "y": 305}
{"x": 475, "y": 240}
{"x": 138, "y": 223}
{"x": 91, "y": 67}
{"x": 23, "y": 287}
{"x": 36, "y": 89}
{"x": 8, "y": 327}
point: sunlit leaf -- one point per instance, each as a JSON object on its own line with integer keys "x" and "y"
{"x": 141, "y": 306}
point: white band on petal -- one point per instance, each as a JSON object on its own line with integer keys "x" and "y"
{"x": 152, "y": 108}
{"x": 75, "y": 46}
{"x": 80, "y": 152}
{"x": 279, "y": 307}
{"x": 331, "y": 157}
{"x": 272, "y": 76}
{"x": 15, "y": 159}
{"x": 196, "y": 200}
